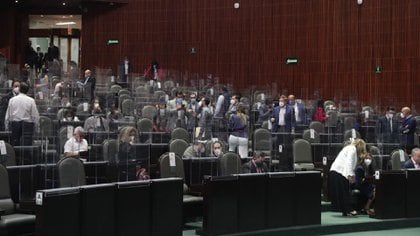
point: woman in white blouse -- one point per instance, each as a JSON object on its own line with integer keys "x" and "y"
{"x": 342, "y": 176}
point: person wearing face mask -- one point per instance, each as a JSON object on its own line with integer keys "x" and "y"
{"x": 196, "y": 150}
{"x": 205, "y": 120}
{"x": 256, "y": 164}
{"x": 363, "y": 181}
{"x": 234, "y": 101}
{"x": 127, "y": 153}
{"x": 97, "y": 123}
{"x": 283, "y": 119}
{"x": 192, "y": 111}
{"x": 4, "y": 102}
{"x": 414, "y": 161}
{"x": 342, "y": 176}
{"x": 408, "y": 129}
{"x": 387, "y": 127}
{"x": 69, "y": 115}
{"x": 161, "y": 116}
{"x": 76, "y": 144}
{"x": 299, "y": 109}
{"x": 176, "y": 109}
{"x": 216, "y": 149}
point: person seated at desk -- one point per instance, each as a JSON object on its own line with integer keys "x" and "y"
{"x": 76, "y": 144}
{"x": 216, "y": 149}
{"x": 96, "y": 122}
{"x": 198, "y": 149}
{"x": 364, "y": 172}
{"x": 127, "y": 170}
{"x": 69, "y": 115}
{"x": 256, "y": 164}
{"x": 414, "y": 162}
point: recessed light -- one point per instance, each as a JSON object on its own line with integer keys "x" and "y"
{"x": 64, "y": 3}
{"x": 66, "y": 23}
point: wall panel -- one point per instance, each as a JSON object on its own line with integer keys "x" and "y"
{"x": 338, "y": 43}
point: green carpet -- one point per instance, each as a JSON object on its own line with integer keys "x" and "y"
{"x": 332, "y": 223}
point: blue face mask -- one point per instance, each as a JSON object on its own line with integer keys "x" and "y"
{"x": 291, "y": 102}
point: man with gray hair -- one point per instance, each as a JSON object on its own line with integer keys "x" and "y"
{"x": 414, "y": 162}
{"x": 76, "y": 144}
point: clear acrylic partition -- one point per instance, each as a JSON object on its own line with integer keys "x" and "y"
{"x": 130, "y": 104}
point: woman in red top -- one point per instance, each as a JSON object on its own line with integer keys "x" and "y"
{"x": 319, "y": 114}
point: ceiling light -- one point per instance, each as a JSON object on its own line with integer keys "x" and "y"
{"x": 66, "y": 23}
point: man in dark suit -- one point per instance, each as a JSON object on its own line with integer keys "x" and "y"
{"x": 283, "y": 117}
{"x": 299, "y": 109}
{"x": 387, "y": 127}
{"x": 88, "y": 83}
{"x": 256, "y": 165}
{"x": 125, "y": 70}
{"x": 408, "y": 129}
{"x": 52, "y": 53}
{"x": 414, "y": 162}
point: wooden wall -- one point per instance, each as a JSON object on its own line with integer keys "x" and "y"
{"x": 338, "y": 44}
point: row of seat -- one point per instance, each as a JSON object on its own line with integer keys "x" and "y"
{"x": 249, "y": 202}
{"x": 131, "y": 208}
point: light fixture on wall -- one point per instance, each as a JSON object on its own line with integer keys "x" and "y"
{"x": 359, "y": 2}
{"x": 236, "y": 5}
{"x": 193, "y": 50}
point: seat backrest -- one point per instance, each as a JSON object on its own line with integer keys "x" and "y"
{"x": 9, "y": 159}
{"x": 398, "y": 157}
{"x": 317, "y": 126}
{"x": 349, "y": 122}
{"x": 332, "y": 119}
{"x": 71, "y": 172}
{"x": 302, "y": 152}
{"x": 46, "y": 126}
{"x": 180, "y": 133}
{"x": 122, "y": 98}
{"x": 127, "y": 107}
{"x": 110, "y": 150}
{"x": 60, "y": 114}
{"x": 6, "y": 202}
{"x": 376, "y": 157}
{"x": 349, "y": 134}
{"x": 312, "y": 138}
{"x": 262, "y": 140}
{"x": 148, "y": 111}
{"x": 230, "y": 163}
{"x": 171, "y": 169}
{"x": 158, "y": 94}
{"x": 178, "y": 146}
{"x": 115, "y": 88}
{"x": 123, "y": 91}
{"x": 145, "y": 125}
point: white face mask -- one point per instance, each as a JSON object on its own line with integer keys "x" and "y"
{"x": 402, "y": 115}
{"x": 132, "y": 138}
{"x": 16, "y": 90}
{"x": 217, "y": 152}
{"x": 390, "y": 116}
{"x": 199, "y": 103}
{"x": 232, "y": 101}
{"x": 368, "y": 162}
{"x": 281, "y": 104}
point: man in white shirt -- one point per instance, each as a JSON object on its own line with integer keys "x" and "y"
{"x": 21, "y": 117}
{"x": 76, "y": 144}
